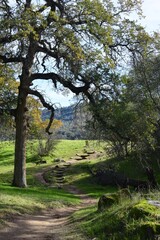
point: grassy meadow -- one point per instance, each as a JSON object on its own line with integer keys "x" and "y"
{"x": 132, "y": 219}
{"x": 36, "y": 196}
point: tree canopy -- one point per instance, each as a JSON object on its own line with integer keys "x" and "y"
{"x": 129, "y": 114}
{"x": 68, "y": 42}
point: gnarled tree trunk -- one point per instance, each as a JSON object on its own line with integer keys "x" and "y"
{"x": 19, "y": 179}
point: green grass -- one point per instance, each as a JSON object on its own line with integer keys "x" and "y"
{"x": 31, "y": 199}
{"x": 128, "y": 220}
{"x": 68, "y": 148}
{"x": 36, "y": 196}
{"x": 115, "y": 223}
{"x": 65, "y": 149}
{"x": 79, "y": 175}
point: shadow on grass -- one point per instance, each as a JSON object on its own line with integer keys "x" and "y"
{"x": 80, "y": 176}
{"x": 43, "y": 194}
{"x": 11, "y": 208}
{"x": 6, "y": 177}
{"x": 6, "y": 159}
{"x": 33, "y": 158}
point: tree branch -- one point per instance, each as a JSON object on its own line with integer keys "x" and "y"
{"x": 66, "y": 83}
{"x": 7, "y": 39}
{"x": 52, "y": 53}
{"x": 27, "y": 4}
{"x": 11, "y": 59}
{"x": 11, "y": 112}
{"x": 54, "y": 4}
{"x": 46, "y": 105}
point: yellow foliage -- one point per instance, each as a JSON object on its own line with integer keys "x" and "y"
{"x": 36, "y": 123}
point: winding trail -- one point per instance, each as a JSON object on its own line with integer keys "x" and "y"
{"x": 53, "y": 224}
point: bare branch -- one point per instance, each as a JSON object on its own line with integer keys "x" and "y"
{"x": 46, "y": 105}
{"x": 66, "y": 83}
{"x": 11, "y": 59}
{"x": 52, "y": 53}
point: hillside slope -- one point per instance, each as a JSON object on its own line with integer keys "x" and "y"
{"x": 73, "y": 119}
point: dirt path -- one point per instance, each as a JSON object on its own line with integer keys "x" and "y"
{"x": 47, "y": 225}
{"x": 53, "y": 224}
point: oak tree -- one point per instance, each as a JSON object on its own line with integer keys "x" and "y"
{"x": 64, "y": 41}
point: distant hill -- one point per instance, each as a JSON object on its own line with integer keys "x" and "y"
{"x": 63, "y": 114}
{"x": 73, "y": 122}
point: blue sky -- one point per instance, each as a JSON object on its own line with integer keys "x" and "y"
{"x": 151, "y": 11}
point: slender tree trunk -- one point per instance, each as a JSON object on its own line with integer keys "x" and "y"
{"x": 151, "y": 178}
{"x": 19, "y": 179}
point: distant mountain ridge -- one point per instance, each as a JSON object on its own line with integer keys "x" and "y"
{"x": 73, "y": 122}
{"x": 63, "y": 114}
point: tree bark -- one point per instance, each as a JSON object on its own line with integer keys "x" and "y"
{"x": 151, "y": 178}
{"x": 19, "y": 179}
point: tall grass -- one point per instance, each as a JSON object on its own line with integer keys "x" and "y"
{"x": 36, "y": 196}
{"x": 130, "y": 220}
{"x": 115, "y": 223}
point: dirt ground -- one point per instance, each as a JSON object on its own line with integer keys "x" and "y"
{"x": 52, "y": 224}
{"x": 47, "y": 225}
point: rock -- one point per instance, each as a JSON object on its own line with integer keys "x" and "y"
{"x": 56, "y": 167}
{"x": 62, "y": 160}
{"x": 57, "y": 160}
{"x": 60, "y": 168}
{"x": 59, "y": 174}
{"x": 124, "y": 193}
{"x": 67, "y": 164}
{"x": 154, "y": 203}
{"x": 60, "y": 179}
{"x": 60, "y": 182}
{"x": 81, "y": 156}
{"x": 78, "y": 158}
{"x": 107, "y": 201}
{"x": 84, "y": 155}
{"x": 41, "y": 162}
{"x": 90, "y": 152}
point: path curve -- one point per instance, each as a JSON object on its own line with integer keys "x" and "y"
{"x": 53, "y": 224}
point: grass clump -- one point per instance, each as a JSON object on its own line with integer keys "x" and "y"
{"x": 130, "y": 219}
{"x": 141, "y": 210}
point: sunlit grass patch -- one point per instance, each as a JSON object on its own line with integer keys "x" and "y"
{"x": 131, "y": 219}
{"x": 29, "y": 200}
